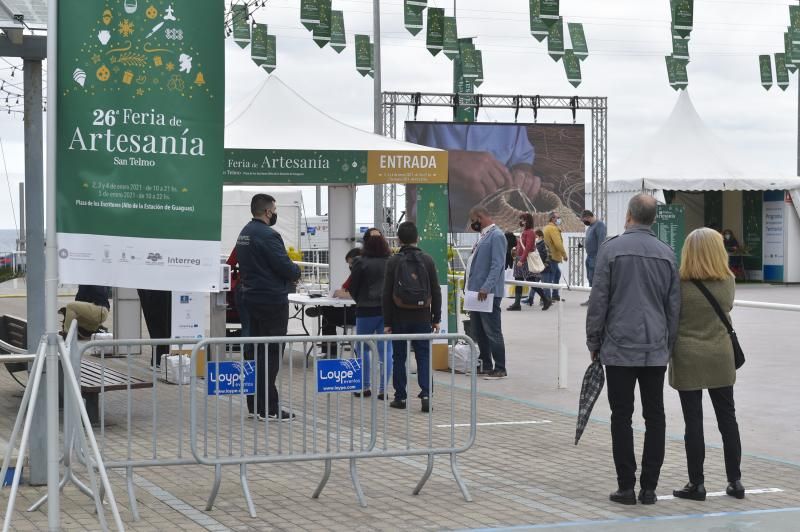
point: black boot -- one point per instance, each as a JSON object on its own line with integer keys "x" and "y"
{"x": 694, "y": 492}
{"x": 517, "y": 297}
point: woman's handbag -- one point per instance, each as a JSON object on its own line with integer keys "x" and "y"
{"x": 738, "y": 354}
{"x": 535, "y": 264}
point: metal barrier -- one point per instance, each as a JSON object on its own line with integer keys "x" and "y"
{"x": 576, "y": 265}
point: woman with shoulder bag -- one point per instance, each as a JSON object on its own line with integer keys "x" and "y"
{"x": 525, "y": 246}
{"x": 703, "y": 358}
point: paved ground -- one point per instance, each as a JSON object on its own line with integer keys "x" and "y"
{"x": 523, "y": 471}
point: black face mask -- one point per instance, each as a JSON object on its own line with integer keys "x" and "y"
{"x": 475, "y": 226}
{"x": 522, "y": 224}
{"x": 273, "y": 219}
{"x": 587, "y": 223}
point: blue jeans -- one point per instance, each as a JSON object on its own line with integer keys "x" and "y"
{"x": 590, "y": 262}
{"x": 422, "y": 352}
{"x": 367, "y": 325}
{"x": 487, "y": 329}
{"x": 552, "y": 277}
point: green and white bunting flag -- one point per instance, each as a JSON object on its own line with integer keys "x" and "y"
{"x": 765, "y": 66}
{"x": 272, "y": 54}
{"x": 549, "y": 12}
{"x": 241, "y": 25}
{"x": 538, "y": 27}
{"x": 794, "y": 17}
{"x": 363, "y": 54}
{"x": 676, "y": 71}
{"x": 412, "y": 18}
{"x": 479, "y": 79}
{"x": 572, "y": 66}
{"x": 322, "y": 31}
{"x": 258, "y": 48}
{"x": 450, "y": 37}
{"x": 469, "y": 59}
{"x": 338, "y": 35}
{"x": 794, "y": 45}
{"x": 462, "y": 85}
{"x": 418, "y": 5}
{"x": 578, "y": 38}
{"x": 683, "y": 16}
{"x": 781, "y": 72}
{"x": 670, "y": 62}
{"x": 680, "y": 48}
{"x": 309, "y": 13}
{"x": 787, "y": 50}
{"x": 435, "y": 40}
{"x": 555, "y": 40}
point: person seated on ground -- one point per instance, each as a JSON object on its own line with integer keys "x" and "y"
{"x": 333, "y": 317}
{"x": 90, "y": 309}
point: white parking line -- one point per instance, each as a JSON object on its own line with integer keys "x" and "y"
{"x": 721, "y": 493}
{"x": 540, "y": 422}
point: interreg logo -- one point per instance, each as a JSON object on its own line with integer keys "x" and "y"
{"x": 339, "y": 375}
{"x": 231, "y": 378}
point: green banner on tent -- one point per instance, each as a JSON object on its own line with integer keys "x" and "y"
{"x": 435, "y": 40}
{"x": 578, "y": 38}
{"x": 469, "y": 59}
{"x": 765, "y": 66}
{"x": 363, "y": 54}
{"x": 539, "y": 28}
{"x": 450, "y": 37}
{"x": 303, "y": 167}
{"x": 139, "y": 141}
{"x": 338, "y": 35}
{"x": 271, "y": 62}
{"x": 572, "y": 66}
{"x": 241, "y": 25}
{"x": 258, "y": 48}
{"x": 309, "y": 13}
{"x": 781, "y": 72}
{"x": 680, "y": 48}
{"x": 412, "y": 18}
{"x": 683, "y": 16}
{"x": 322, "y": 31}
{"x": 461, "y": 86}
{"x": 555, "y": 40}
{"x": 549, "y": 11}
{"x": 794, "y": 17}
{"x": 479, "y": 57}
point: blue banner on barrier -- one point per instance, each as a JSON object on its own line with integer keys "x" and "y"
{"x": 230, "y": 377}
{"x": 339, "y": 375}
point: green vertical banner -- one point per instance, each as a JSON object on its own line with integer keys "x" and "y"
{"x": 794, "y": 41}
{"x": 572, "y": 66}
{"x": 241, "y": 25}
{"x": 549, "y": 12}
{"x": 469, "y": 59}
{"x": 683, "y": 16}
{"x": 479, "y": 57}
{"x": 752, "y": 222}
{"x": 578, "y": 38}
{"x": 670, "y": 227}
{"x": 412, "y": 18}
{"x": 271, "y": 63}
{"x": 139, "y": 155}
{"x": 322, "y": 31}
{"x": 417, "y": 5}
{"x": 258, "y": 48}
{"x": 765, "y": 67}
{"x": 539, "y": 28}
{"x": 680, "y": 48}
{"x": 363, "y": 54}
{"x": 781, "y": 72}
{"x": 787, "y": 50}
{"x": 338, "y": 35}
{"x": 432, "y": 222}
{"x": 681, "y": 75}
{"x": 555, "y": 40}
{"x": 309, "y": 13}
{"x": 435, "y": 40}
{"x": 462, "y": 85}
{"x": 450, "y": 37}
{"x": 794, "y": 17}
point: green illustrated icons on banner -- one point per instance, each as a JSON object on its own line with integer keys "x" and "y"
{"x": 578, "y": 38}
{"x": 322, "y": 31}
{"x": 450, "y": 37}
{"x": 412, "y": 18}
{"x": 572, "y": 66}
{"x": 338, "y": 35}
{"x": 363, "y": 54}
{"x": 271, "y": 62}
{"x": 539, "y": 28}
{"x": 549, "y": 11}
{"x": 781, "y": 72}
{"x": 258, "y": 48}
{"x": 682, "y": 16}
{"x": 555, "y": 40}
{"x": 309, "y": 13}
{"x": 241, "y": 25}
{"x": 680, "y": 48}
{"x": 469, "y": 59}
{"x": 765, "y": 66}
{"x": 479, "y": 79}
{"x": 435, "y": 38}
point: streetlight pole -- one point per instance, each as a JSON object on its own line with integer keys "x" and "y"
{"x": 377, "y": 104}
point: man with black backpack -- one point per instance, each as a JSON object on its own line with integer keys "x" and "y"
{"x": 412, "y": 304}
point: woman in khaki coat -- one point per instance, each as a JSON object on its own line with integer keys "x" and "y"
{"x": 703, "y": 360}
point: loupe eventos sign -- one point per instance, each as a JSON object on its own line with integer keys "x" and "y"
{"x": 141, "y": 95}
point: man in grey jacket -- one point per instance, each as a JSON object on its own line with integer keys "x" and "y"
{"x": 631, "y": 324}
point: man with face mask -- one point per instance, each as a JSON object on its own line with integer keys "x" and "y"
{"x": 266, "y": 272}
{"x": 557, "y": 253}
{"x": 595, "y": 235}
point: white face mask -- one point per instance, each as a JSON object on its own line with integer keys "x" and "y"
{"x": 558, "y": 222}
{"x": 727, "y": 237}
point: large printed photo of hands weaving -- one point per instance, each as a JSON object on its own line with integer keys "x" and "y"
{"x": 510, "y": 169}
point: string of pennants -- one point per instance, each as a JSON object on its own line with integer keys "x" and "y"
{"x": 546, "y": 22}
{"x": 786, "y": 61}
{"x": 682, "y": 13}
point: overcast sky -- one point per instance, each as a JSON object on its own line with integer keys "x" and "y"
{"x": 627, "y": 39}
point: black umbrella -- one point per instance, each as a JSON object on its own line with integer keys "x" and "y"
{"x": 593, "y": 381}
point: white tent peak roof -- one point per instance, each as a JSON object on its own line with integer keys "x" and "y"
{"x": 276, "y": 117}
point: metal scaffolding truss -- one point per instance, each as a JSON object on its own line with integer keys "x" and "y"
{"x": 597, "y": 106}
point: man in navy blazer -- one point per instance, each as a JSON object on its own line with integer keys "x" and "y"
{"x": 486, "y": 275}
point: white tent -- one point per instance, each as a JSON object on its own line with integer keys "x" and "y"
{"x": 236, "y": 213}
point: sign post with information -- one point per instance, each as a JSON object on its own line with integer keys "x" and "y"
{"x": 670, "y": 227}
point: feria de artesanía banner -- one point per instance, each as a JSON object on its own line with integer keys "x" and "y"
{"x": 140, "y": 143}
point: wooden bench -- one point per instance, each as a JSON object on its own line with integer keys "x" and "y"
{"x": 94, "y": 380}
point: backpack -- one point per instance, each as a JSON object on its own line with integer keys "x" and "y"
{"x": 412, "y": 287}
